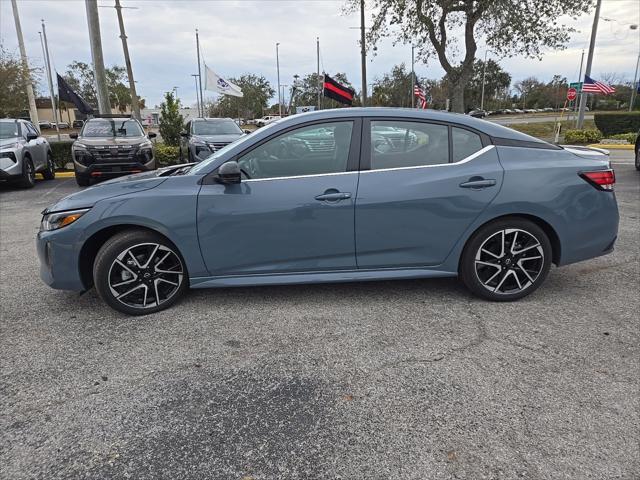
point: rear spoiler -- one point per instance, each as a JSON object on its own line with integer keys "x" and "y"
{"x": 585, "y": 151}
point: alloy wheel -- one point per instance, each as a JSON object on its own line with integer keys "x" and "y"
{"x": 509, "y": 261}
{"x": 30, "y": 172}
{"x": 145, "y": 275}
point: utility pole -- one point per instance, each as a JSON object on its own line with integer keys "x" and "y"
{"x": 33, "y": 111}
{"x": 195, "y": 78}
{"x": 45, "y": 53}
{"x": 413, "y": 78}
{"x": 577, "y": 101}
{"x": 278, "y": 71}
{"x": 199, "y": 74}
{"x": 93, "y": 22}
{"x": 634, "y": 86}
{"x": 135, "y": 107}
{"x": 484, "y": 74}
{"x": 592, "y": 45}
{"x": 363, "y": 54}
{"x": 318, "y": 70}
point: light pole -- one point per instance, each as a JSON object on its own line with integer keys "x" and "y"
{"x": 484, "y": 74}
{"x": 175, "y": 91}
{"x": 95, "y": 41}
{"x": 413, "y": 77}
{"x": 33, "y": 111}
{"x": 363, "y": 54}
{"x": 587, "y": 71}
{"x": 135, "y": 107}
{"x": 634, "y": 85}
{"x": 278, "y": 71}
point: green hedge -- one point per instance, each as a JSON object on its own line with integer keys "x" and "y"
{"x": 611, "y": 124}
{"x": 61, "y": 152}
{"x": 582, "y": 136}
{"x": 629, "y": 137}
{"x": 166, "y": 155}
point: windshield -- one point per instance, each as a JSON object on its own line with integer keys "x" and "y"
{"x": 8, "y": 129}
{"x": 104, "y": 127}
{"x": 221, "y": 127}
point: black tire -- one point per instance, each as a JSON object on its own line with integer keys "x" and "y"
{"x": 82, "y": 180}
{"x": 115, "y": 271}
{"x": 28, "y": 178}
{"x": 506, "y": 243}
{"x": 180, "y": 156}
{"x": 49, "y": 173}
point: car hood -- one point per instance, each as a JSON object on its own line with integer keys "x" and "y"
{"x": 112, "y": 140}
{"x": 8, "y": 142}
{"x": 232, "y": 137}
{"x": 113, "y": 188}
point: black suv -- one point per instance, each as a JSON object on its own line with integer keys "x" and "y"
{"x": 111, "y": 146}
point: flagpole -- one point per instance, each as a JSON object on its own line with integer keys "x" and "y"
{"x": 580, "y": 79}
{"x": 278, "y": 71}
{"x": 45, "y": 51}
{"x": 135, "y": 106}
{"x": 318, "y": 69}
{"x": 587, "y": 72}
{"x": 201, "y": 109}
{"x": 634, "y": 86}
{"x": 195, "y": 78}
{"x": 413, "y": 78}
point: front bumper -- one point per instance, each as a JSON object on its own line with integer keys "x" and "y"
{"x": 58, "y": 257}
{"x": 10, "y": 168}
{"x": 111, "y": 170}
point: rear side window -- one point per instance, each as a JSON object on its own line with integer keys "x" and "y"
{"x": 465, "y": 143}
{"x": 398, "y": 144}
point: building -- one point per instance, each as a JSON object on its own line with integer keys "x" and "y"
{"x": 151, "y": 116}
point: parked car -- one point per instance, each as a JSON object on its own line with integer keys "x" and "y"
{"x": 78, "y": 123}
{"x": 45, "y": 125}
{"x": 204, "y": 136}
{"x": 477, "y": 113}
{"x": 261, "y": 122}
{"x": 23, "y": 152}
{"x": 63, "y": 125}
{"x": 517, "y": 110}
{"x": 464, "y": 198}
{"x": 110, "y": 146}
{"x": 637, "y": 150}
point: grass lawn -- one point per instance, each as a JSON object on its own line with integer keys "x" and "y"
{"x": 546, "y": 130}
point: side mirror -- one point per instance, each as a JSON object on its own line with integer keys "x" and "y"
{"x": 32, "y": 136}
{"x": 229, "y": 173}
{"x": 152, "y": 135}
{"x": 73, "y": 136}
{"x": 247, "y": 131}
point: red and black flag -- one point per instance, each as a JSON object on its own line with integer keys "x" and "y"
{"x": 339, "y": 93}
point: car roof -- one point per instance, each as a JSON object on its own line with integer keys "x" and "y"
{"x": 211, "y": 119}
{"x": 484, "y": 126}
{"x": 110, "y": 118}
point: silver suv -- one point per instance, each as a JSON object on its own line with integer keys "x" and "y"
{"x": 23, "y": 152}
{"x": 204, "y": 136}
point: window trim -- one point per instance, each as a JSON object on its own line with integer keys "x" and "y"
{"x": 365, "y": 157}
{"x": 352, "y": 159}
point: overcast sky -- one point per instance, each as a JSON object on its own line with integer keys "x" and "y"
{"x": 240, "y": 36}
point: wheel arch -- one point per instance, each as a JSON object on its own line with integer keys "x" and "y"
{"x": 92, "y": 245}
{"x": 556, "y": 246}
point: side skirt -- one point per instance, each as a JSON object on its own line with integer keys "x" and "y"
{"x": 316, "y": 277}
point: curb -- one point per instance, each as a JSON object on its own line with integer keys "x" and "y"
{"x": 612, "y": 147}
{"x": 64, "y": 174}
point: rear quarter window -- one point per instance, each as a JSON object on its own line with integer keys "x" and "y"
{"x": 465, "y": 143}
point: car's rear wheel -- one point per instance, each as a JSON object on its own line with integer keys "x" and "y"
{"x": 82, "y": 180}
{"x": 506, "y": 259}
{"x": 49, "y": 173}
{"x": 28, "y": 178}
{"x": 139, "y": 272}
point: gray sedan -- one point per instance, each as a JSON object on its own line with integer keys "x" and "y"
{"x": 23, "y": 152}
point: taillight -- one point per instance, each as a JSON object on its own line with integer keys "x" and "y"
{"x": 600, "y": 179}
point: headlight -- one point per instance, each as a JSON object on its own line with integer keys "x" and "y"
{"x": 54, "y": 221}
{"x": 146, "y": 144}
{"x": 10, "y": 155}
{"x": 79, "y": 146}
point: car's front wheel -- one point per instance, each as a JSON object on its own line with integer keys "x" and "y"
{"x": 49, "y": 173}
{"x": 28, "y": 178}
{"x": 506, "y": 259}
{"x": 139, "y": 272}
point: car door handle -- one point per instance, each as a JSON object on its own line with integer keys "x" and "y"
{"x": 333, "y": 196}
{"x": 476, "y": 182}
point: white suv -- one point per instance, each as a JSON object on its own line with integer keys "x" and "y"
{"x": 261, "y": 122}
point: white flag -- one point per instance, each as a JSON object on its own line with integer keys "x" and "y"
{"x": 215, "y": 83}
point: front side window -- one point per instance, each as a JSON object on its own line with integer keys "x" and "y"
{"x": 465, "y": 143}
{"x": 313, "y": 150}
{"x": 398, "y": 144}
{"x": 103, "y": 127}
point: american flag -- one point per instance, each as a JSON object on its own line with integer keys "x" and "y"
{"x": 592, "y": 86}
{"x": 419, "y": 92}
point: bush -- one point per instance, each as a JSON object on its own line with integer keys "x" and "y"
{"x": 629, "y": 137}
{"x": 582, "y": 136}
{"x": 171, "y": 122}
{"x": 61, "y": 152}
{"x": 166, "y": 155}
{"x": 611, "y": 124}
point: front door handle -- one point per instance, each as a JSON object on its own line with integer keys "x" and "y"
{"x": 478, "y": 182}
{"x": 333, "y": 196}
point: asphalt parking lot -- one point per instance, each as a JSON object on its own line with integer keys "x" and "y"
{"x": 403, "y": 380}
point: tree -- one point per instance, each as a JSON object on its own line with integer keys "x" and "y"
{"x": 508, "y": 27}
{"x": 256, "y": 90}
{"x": 80, "y": 77}
{"x": 393, "y": 89}
{"x": 496, "y": 82}
{"x": 171, "y": 122}
{"x": 13, "y": 96}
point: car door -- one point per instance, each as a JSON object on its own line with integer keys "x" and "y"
{"x": 421, "y": 186}
{"x": 36, "y": 148}
{"x": 293, "y": 212}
